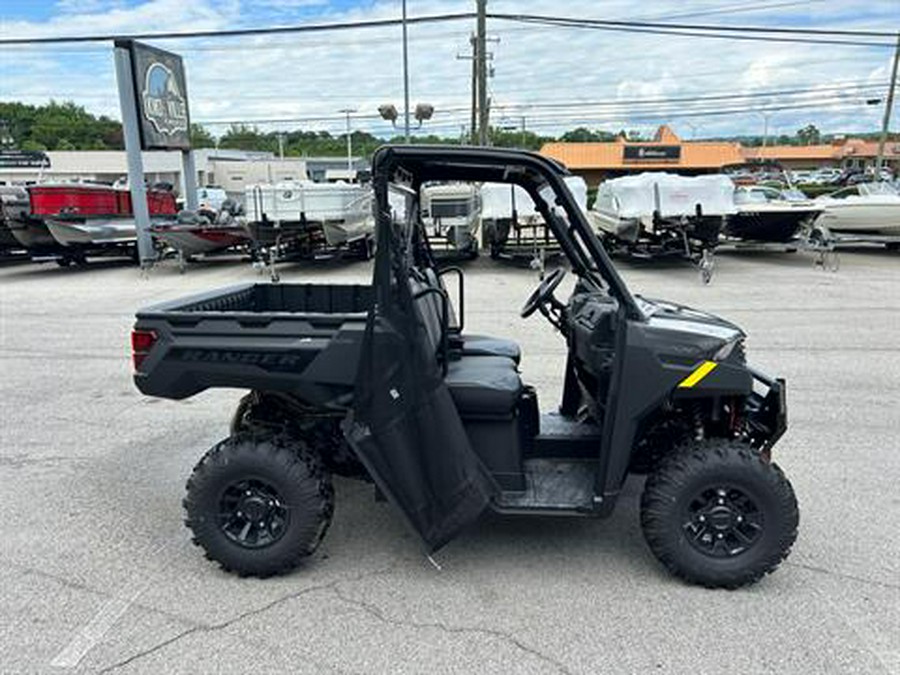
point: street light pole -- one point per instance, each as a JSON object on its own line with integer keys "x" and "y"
{"x": 347, "y": 112}
{"x": 405, "y": 78}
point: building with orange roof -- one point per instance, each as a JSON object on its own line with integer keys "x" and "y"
{"x": 666, "y": 152}
{"x": 596, "y": 162}
{"x": 845, "y": 153}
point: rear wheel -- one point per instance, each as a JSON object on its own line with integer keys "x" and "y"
{"x": 716, "y": 514}
{"x": 259, "y": 505}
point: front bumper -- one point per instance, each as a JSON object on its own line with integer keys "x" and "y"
{"x": 766, "y": 410}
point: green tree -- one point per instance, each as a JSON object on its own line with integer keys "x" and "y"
{"x": 809, "y": 135}
{"x": 32, "y": 145}
{"x": 201, "y": 138}
{"x": 47, "y": 125}
{"x": 585, "y": 135}
{"x": 243, "y": 137}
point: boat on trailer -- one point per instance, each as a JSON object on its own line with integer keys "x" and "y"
{"x": 511, "y": 225}
{"x": 304, "y": 217}
{"x": 84, "y": 215}
{"x": 653, "y": 215}
{"x": 769, "y": 215}
{"x": 861, "y": 210}
{"x": 205, "y": 231}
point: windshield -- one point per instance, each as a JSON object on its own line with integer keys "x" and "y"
{"x": 750, "y": 197}
{"x": 794, "y": 196}
{"x": 877, "y": 189}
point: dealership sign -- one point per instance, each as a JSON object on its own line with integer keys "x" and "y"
{"x": 23, "y": 159}
{"x": 652, "y": 153}
{"x": 160, "y": 92}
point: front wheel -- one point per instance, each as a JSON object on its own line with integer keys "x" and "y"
{"x": 259, "y": 505}
{"x": 718, "y": 515}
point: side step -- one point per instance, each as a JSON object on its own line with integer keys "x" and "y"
{"x": 557, "y": 487}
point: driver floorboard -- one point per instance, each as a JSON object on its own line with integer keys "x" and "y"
{"x": 553, "y": 485}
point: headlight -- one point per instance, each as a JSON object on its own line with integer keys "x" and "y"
{"x": 726, "y": 350}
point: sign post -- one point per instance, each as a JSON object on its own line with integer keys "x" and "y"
{"x": 153, "y": 98}
{"x": 139, "y": 209}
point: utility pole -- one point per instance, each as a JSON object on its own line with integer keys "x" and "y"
{"x": 887, "y": 112}
{"x": 405, "y": 78}
{"x": 481, "y": 60}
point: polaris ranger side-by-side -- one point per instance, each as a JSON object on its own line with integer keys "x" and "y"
{"x": 384, "y": 383}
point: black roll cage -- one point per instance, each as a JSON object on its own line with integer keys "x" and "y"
{"x": 533, "y": 172}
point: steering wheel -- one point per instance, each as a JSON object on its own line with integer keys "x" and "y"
{"x": 543, "y": 293}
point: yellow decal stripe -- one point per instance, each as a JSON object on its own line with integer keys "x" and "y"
{"x": 699, "y": 373}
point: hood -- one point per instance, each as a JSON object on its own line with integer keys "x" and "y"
{"x": 667, "y": 315}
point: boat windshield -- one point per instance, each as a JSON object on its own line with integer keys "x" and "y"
{"x": 880, "y": 189}
{"x": 761, "y": 195}
{"x": 794, "y": 196}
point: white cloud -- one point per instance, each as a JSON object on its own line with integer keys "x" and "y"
{"x": 317, "y": 74}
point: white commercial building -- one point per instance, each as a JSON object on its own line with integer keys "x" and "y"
{"x": 229, "y": 169}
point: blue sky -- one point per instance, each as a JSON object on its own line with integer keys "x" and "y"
{"x": 298, "y": 77}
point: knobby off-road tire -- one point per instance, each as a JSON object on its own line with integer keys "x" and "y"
{"x": 258, "y": 505}
{"x": 716, "y": 514}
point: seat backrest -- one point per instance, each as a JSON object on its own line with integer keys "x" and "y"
{"x": 434, "y": 280}
{"x": 429, "y": 308}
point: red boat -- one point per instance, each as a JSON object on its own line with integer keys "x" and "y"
{"x": 87, "y": 200}
{"x": 84, "y": 214}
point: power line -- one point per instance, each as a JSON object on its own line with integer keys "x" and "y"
{"x": 255, "y": 46}
{"x": 733, "y": 9}
{"x": 722, "y": 33}
{"x": 837, "y": 92}
{"x": 240, "y": 32}
{"x": 706, "y": 30}
{"x": 560, "y": 118}
{"x": 855, "y": 88}
{"x": 694, "y": 26}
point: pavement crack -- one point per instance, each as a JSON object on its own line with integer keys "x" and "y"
{"x": 222, "y": 625}
{"x": 378, "y": 613}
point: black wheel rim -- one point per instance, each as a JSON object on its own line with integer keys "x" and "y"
{"x": 252, "y": 514}
{"x": 723, "y": 522}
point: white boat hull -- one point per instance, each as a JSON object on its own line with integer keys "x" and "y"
{"x": 92, "y": 232}
{"x": 861, "y": 216}
{"x": 352, "y": 229}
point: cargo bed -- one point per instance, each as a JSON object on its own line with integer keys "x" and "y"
{"x": 298, "y": 338}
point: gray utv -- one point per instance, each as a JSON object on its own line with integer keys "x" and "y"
{"x": 383, "y": 383}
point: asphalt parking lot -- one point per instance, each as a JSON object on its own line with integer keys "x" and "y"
{"x": 97, "y": 572}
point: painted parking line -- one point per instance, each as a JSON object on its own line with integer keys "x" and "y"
{"x": 95, "y": 630}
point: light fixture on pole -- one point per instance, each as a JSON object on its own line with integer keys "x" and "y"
{"x": 388, "y": 112}
{"x": 423, "y": 113}
{"x": 347, "y": 112}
